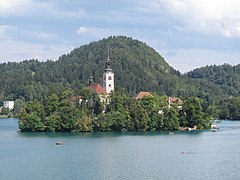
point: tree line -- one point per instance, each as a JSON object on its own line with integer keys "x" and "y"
{"x": 123, "y": 113}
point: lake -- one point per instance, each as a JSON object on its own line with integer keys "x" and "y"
{"x": 143, "y": 155}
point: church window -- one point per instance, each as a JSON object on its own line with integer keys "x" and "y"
{"x": 109, "y": 85}
{"x": 109, "y": 77}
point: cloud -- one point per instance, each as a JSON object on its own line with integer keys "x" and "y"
{"x": 44, "y": 35}
{"x": 96, "y": 32}
{"x": 36, "y": 8}
{"x": 11, "y": 50}
{"x": 3, "y": 32}
{"x": 15, "y": 33}
{"x": 188, "y": 59}
{"x": 82, "y": 30}
{"x": 14, "y": 7}
{"x": 220, "y": 17}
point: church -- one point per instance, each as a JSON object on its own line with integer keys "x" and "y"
{"x": 108, "y": 82}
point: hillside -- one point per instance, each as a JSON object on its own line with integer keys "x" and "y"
{"x": 226, "y": 77}
{"x": 137, "y": 67}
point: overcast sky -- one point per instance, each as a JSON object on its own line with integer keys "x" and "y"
{"x": 187, "y": 33}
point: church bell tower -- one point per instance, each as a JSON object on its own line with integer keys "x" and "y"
{"x": 108, "y": 76}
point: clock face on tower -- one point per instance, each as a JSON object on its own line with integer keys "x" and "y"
{"x": 108, "y": 65}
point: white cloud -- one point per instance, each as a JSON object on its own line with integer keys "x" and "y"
{"x": 16, "y": 51}
{"x": 96, "y": 32}
{"x": 44, "y": 35}
{"x": 82, "y": 29}
{"x": 204, "y": 16}
{"x": 188, "y": 59}
{"x": 15, "y": 33}
{"x": 36, "y": 7}
{"x": 3, "y": 31}
{"x": 14, "y": 7}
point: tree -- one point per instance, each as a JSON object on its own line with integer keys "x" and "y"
{"x": 33, "y": 106}
{"x": 103, "y": 123}
{"x": 193, "y": 113}
{"x": 53, "y": 122}
{"x": 69, "y": 116}
{"x": 52, "y": 104}
{"x": 139, "y": 117}
{"x": 83, "y": 124}
{"x": 18, "y": 104}
{"x": 5, "y": 111}
{"x": 212, "y": 111}
{"x": 121, "y": 121}
{"x": 170, "y": 119}
{"x": 32, "y": 122}
{"x": 118, "y": 101}
{"x": 156, "y": 121}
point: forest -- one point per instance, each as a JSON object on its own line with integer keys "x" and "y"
{"x": 137, "y": 67}
{"x": 123, "y": 113}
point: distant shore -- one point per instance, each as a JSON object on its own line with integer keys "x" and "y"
{"x": 3, "y": 116}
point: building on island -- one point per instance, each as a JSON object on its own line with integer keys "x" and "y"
{"x": 177, "y": 101}
{"x": 108, "y": 82}
{"x": 102, "y": 91}
{"x": 96, "y": 87}
{"x": 108, "y": 76}
{"x": 8, "y": 104}
{"x": 142, "y": 95}
{"x": 75, "y": 100}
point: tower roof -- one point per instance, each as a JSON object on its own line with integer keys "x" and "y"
{"x": 108, "y": 64}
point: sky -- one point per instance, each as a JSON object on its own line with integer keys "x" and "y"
{"x": 187, "y": 33}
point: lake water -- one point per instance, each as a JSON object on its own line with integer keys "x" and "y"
{"x": 151, "y": 155}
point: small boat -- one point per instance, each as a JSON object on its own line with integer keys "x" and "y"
{"x": 171, "y": 133}
{"x": 59, "y": 143}
{"x": 214, "y": 126}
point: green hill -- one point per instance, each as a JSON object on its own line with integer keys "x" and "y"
{"x": 226, "y": 77}
{"x": 137, "y": 67}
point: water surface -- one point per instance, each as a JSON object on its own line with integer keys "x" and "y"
{"x": 145, "y": 155}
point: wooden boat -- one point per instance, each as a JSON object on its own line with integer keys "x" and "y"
{"x": 59, "y": 143}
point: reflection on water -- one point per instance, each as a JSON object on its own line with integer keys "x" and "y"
{"x": 105, "y": 134}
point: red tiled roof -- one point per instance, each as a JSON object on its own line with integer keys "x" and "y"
{"x": 175, "y": 101}
{"x": 98, "y": 88}
{"x": 142, "y": 95}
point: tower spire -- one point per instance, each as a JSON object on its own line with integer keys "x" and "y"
{"x": 108, "y": 76}
{"x": 108, "y": 64}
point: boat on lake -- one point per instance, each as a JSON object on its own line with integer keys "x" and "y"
{"x": 59, "y": 143}
{"x": 214, "y": 126}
